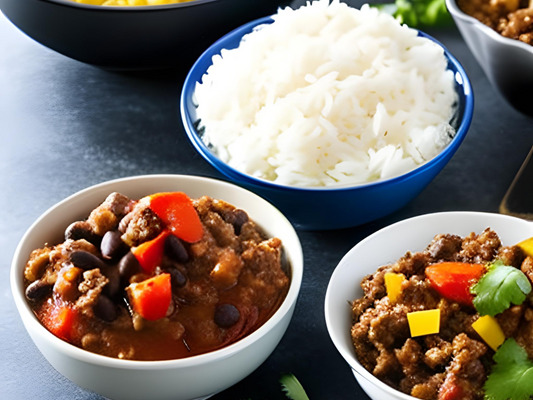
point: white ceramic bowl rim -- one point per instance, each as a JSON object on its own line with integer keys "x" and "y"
{"x": 456, "y": 12}
{"x": 348, "y": 355}
{"x": 97, "y": 359}
{"x": 71, "y": 3}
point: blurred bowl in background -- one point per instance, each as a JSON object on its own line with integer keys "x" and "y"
{"x": 132, "y": 38}
{"x": 318, "y": 208}
{"x": 508, "y": 63}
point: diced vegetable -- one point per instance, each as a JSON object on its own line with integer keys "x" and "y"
{"x": 150, "y": 254}
{"x": 176, "y": 210}
{"x": 500, "y": 287}
{"x": 393, "y": 283}
{"x": 490, "y": 331}
{"x": 151, "y": 298}
{"x": 453, "y": 280}
{"x": 512, "y": 376}
{"x": 527, "y": 246}
{"x": 59, "y": 320}
{"x": 423, "y": 323}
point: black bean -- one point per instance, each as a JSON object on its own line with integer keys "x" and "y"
{"x": 82, "y": 230}
{"x": 226, "y": 315}
{"x": 105, "y": 309}
{"x": 113, "y": 286}
{"x": 38, "y": 290}
{"x": 127, "y": 267}
{"x": 85, "y": 260}
{"x": 112, "y": 245}
{"x": 178, "y": 279}
{"x": 238, "y": 219}
{"x": 175, "y": 249}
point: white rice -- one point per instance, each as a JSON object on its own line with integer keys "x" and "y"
{"x": 328, "y": 95}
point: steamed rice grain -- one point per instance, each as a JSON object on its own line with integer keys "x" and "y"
{"x": 328, "y": 95}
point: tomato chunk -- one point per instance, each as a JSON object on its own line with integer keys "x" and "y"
{"x": 150, "y": 254}
{"x": 59, "y": 319}
{"x": 453, "y": 280}
{"x": 151, "y": 298}
{"x": 176, "y": 210}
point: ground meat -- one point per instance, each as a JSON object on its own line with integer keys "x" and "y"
{"x": 445, "y": 247}
{"x": 527, "y": 268}
{"x": 374, "y": 285}
{"x": 412, "y": 264}
{"x": 510, "y": 18}
{"x": 36, "y": 264}
{"x": 439, "y": 352}
{"x": 90, "y": 288}
{"x": 429, "y": 389}
{"x": 511, "y": 255}
{"x": 143, "y": 225}
{"x": 524, "y": 337}
{"x": 359, "y": 306}
{"x": 480, "y": 248}
{"x": 510, "y": 319}
{"x": 417, "y": 294}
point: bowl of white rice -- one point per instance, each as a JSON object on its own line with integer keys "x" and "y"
{"x": 338, "y": 116}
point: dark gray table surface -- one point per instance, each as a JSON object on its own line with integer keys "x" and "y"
{"x": 65, "y": 126}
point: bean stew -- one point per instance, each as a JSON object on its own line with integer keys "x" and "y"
{"x": 164, "y": 277}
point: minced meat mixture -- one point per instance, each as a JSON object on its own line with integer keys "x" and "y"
{"x": 510, "y": 18}
{"x": 456, "y": 360}
{"x": 223, "y": 286}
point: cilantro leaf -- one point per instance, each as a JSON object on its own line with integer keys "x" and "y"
{"x": 500, "y": 287}
{"x": 417, "y": 12}
{"x": 512, "y": 376}
{"x": 292, "y": 388}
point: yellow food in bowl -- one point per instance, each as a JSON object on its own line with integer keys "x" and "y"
{"x": 130, "y": 2}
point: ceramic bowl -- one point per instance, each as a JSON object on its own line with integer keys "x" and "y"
{"x": 330, "y": 208}
{"x": 196, "y": 377}
{"x": 506, "y": 62}
{"x": 132, "y": 38}
{"x": 387, "y": 246}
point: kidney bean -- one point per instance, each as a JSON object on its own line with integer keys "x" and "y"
{"x": 226, "y": 315}
{"x": 113, "y": 286}
{"x": 105, "y": 309}
{"x": 38, "y": 290}
{"x": 112, "y": 245}
{"x": 175, "y": 249}
{"x": 86, "y": 261}
{"x": 239, "y": 219}
{"x": 82, "y": 230}
{"x": 127, "y": 267}
{"x": 177, "y": 278}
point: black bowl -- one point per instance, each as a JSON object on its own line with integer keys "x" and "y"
{"x": 132, "y": 38}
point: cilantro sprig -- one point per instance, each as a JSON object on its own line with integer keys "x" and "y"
{"x": 498, "y": 288}
{"x": 292, "y": 387}
{"x": 512, "y": 376}
{"x": 417, "y": 12}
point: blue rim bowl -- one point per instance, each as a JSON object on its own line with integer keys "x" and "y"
{"x": 321, "y": 208}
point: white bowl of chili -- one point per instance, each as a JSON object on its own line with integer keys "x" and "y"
{"x": 385, "y": 247}
{"x": 194, "y": 377}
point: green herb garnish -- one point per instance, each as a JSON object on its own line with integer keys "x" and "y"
{"x": 500, "y": 287}
{"x": 417, "y": 12}
{"x": 512, "y": 376}
{"x": 292, "y": 388}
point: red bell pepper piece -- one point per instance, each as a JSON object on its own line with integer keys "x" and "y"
{"x": 59, "y": 319}
{"x": 151, "y": 298}
{"x": 453, "y": 280}
{"x": 150, "y": 254}
{"x": 176, "y": 210}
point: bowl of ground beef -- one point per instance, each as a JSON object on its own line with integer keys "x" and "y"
{"x": 415, "y": 308}
{"x": 500, "y": 35}
{"x": 160, "y": 286}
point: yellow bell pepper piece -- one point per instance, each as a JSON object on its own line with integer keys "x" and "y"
{"x": 393, "y": 283}
{"x": 423, "y": 323}
{"x": 527, "y": 246}
{"x": 490, "y": 331}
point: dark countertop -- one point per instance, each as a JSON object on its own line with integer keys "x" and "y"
{"x": 65, "y": 126}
